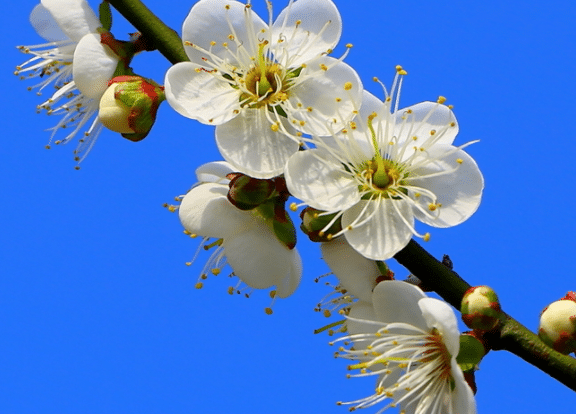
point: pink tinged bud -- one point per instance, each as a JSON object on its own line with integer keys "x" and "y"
{"x": 129, "y": 106}
{"x": 558, "y": 325}
{"x": 480, "y": 308}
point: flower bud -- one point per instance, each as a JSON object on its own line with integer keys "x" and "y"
{"x": 313, "y": 223}
{"x": 558, "y": 324}
{"x": 480, "y": 308}
{"x": 247, "y": 193}
{"x": 129, "y": 106}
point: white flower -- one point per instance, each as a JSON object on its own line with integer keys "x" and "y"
{"x": 385, "y": 169}
{"x": 245, "y": 240}
{"x": 74, "y": 62}
{"x": 411, "y": 343}
{"x": 263, "y": 85}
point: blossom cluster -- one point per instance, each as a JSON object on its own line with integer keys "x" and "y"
{"x": 290, "y": 121}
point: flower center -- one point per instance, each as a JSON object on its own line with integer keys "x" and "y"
{"x": 436, "y": 350}
{"x": 266, "y": 83}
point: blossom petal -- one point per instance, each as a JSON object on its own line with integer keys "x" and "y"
{"x": 356, "y": 273}
{"x": 45, "y": 25}
{"x": 261, "y": 261}
{"x": 214, "y": 172}
{"x": 94, "y": 65}
{"x": 206, "y": 211}
{"x": 200, "y": 95}
{"x": 322, "y": 101}
{"x": 425, "y": 117}
{"x": 359, "y": 322}
{"x": 308, "y": 28}
{"x": 249, "y": 144}
{"x": 75, "y": 17}
{"x": 214, "y": 21}
{"x": 463, "y": 401}
{"x": 320, "y": 182}
{"x": 385, "y": 233}
{"x": 394, "y": 301}
{"x": 439, "y": 315}
{"x": 459, "y": 192}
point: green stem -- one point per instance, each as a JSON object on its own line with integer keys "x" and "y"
{"x": 156, "y": 33}
{"x": 510, "y": 336}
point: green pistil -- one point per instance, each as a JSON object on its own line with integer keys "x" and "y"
{"x": 263, "y": 84}
{"x": 380, "y": 177}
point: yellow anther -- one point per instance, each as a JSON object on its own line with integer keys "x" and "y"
{"x": 198, "y": 285}
{"x": 204, "y": 276}
{"x": 349, "y": 45}
{"x": 187, "y": 232}
{"x": 272, "y": 294}
{"x": 47, "y": 147}
{"x": 323, "y": 66}
{"x": 225, "y": 44}
{"x": 353, "y": 125}
{"x": 327, "y": 313}
{"x": 441, "y": 99}
{"x": 231, "y": 36}
{"x": 268, "y": 311}
{"x": 452, "y": 124}
{"x": 450, "y": 106}
{"x": 329, "y": 237}
{"x": 426, "y": 237}
{"x": 309, "y": 109}
{"x": 293, "y": 206}
{"x": 348, "y": 86}
{"x": 302, "y": 123}
{"x": 227, "y": 7}
{"x": 215, "y": 272}
{"x": 193, "y": 235}
{"x": 212, "y": 43}
{"x": 400, "y": 70}
{"x": 230, "y": 290}
{"x": 188, "y": 263}
{"x": 77, "y": 167}
{"x": 432, "y": 132}
{"x": 275, "y": 127}
{"x": 298, "y": 22}
{"x": 431, "y": 206}
{"x": 338, "y": 99}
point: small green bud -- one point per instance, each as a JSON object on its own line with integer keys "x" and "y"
{"x": 129, "y": 106}
{"x": 480, "y": 308}
{"x": 558, "y": 324}
{"x": 313, "y": 223}
{"x": 247, "y": 193}
{"x": 471, "y": 352}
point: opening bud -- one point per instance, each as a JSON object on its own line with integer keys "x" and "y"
{"x": 558, "y": 324}
{"x": 129, "y": 106}
{"x": 247, "y": 193}
{"x": 315, "y": 222}
{"x": 480, "y": 308}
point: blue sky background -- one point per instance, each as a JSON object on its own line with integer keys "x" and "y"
{"x": 98, "y": 311}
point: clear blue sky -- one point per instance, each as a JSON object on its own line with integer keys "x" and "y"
{"x": 98, "y": 312}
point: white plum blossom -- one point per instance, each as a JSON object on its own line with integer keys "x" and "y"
{"x": 244, "y": 239}
{"x": 386, "y": 168}
{"x": 74, "y": 62}
{"x": 410, "y": 342}
{"x": 263, "y": 85}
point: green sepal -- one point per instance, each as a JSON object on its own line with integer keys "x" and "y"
{"x": 471, "y": 353}
{"x": 105, "y": 15}
{"x": 275, "y": 216}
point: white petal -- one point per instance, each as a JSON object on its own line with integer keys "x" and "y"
{"x": 356, "y": 273}
{"x": 439, "y": 315}
{"x": 385, "y": 234}
{"x": 45, "y": 25}
{"x": 214, "y": 172}
{"x": 320, "y": 182}
{"x": 200, "y": 95}
{"x": 463, "y": 401}
{"x": 75, "y": 17}
{"x": 396, "y": 301}
{"x": 459, "y": 192}
{"x": 261, "y": 261}
{"x": 206, "y": 211}
{"x": 425, "y": 117}
{"x": 306, "y": 41}
{"x": 94, "y": 65}
{"x": 320, "y": 91}
{"x": 362, "y": 311}
{"x": 292, "y": 279}
{"x": 248, "y": 143}
{"x": 210, "y": 21}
